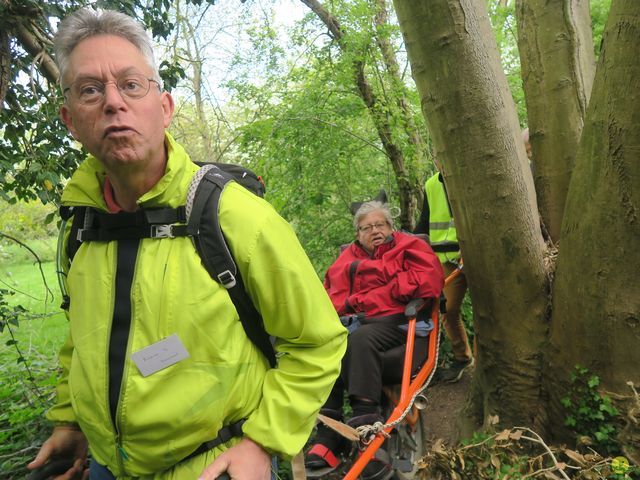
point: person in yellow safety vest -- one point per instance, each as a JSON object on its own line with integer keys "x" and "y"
{"x": 436, "y": 220}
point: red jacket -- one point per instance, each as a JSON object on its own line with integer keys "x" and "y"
{"x": 382, "y": 284}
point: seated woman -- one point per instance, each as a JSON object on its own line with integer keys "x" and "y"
{"x": 372, "y": 281}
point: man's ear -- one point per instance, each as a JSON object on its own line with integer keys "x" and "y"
{"x": 167, "y": 108}
{"x": 67, "y": 119}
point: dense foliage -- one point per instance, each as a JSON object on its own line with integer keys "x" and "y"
{"x": 36, "y": 153}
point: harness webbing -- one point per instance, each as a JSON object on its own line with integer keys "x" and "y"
{"x": 121, "y": 324}
{"x": 199, "y": 220}
{"x": 224, "y": 435}
{"x": 218, "y": 260}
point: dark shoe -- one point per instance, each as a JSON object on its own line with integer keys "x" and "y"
{"x": 367, "y": 419}
{"x": 379, "y": 468}
{"x": 376, "y": 470}
{"x": 452, "y": 373}
{"x": 324, "y": 454}
{"x": 321, "y": 457}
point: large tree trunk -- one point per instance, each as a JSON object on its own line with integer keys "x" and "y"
{"x": 475, "y": 131}
{"x": 558, "y": 64}
{"x": 596, "y": 302}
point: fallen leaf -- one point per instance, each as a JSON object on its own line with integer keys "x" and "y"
{"x": 575, "y": 456}
{"x": 493, "y": 420}
{"x": 438, "y": 446}
{"x": 515, "y": 435}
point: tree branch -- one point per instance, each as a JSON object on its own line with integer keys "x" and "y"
{"x": 35, "y": 47}
{"x": 379, "y": 116}
{"x": 539, "y": 441}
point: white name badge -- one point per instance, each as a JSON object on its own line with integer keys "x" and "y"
{"x": 159, "y": 355}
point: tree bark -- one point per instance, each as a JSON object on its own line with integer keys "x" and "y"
{"x": 557, "y": 66}
{"x": 474, "y": 127}
{"x": 5, "y": 66}
{"x": 409, "y": 187}
{"x": 596, "y": 306}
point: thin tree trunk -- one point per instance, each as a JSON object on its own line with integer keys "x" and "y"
{"x": 409, "y": 188}
{"x": 474, "y": 126}
{"x": 416, "y": 158}
{"x": 596, "y": 303}
{"x": 399, "y": 88}
{"x": 5, "y": 65}
{"x": 557, "y": 65}
{"x": 195, "y": 60}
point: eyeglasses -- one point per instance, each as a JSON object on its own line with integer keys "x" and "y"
{"x": 90, "y": 91}
{"x": 369, "y": 228}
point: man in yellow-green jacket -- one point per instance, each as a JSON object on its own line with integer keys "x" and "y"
{"x": 134, "y": 302}
{"x": 436, "y": 220}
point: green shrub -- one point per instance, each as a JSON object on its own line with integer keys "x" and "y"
{"x": 27, "y": 221}
{"x": 590, "y": 414}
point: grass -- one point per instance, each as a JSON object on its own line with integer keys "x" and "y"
{"x": 28, "y": 351}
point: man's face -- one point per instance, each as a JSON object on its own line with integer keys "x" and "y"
{"x": 373, "y": 230}
{"x": 121, "y": 132}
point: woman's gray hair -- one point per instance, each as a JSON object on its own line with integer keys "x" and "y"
{"x": 86, "y": 23}
{"x": 367, "y": 207}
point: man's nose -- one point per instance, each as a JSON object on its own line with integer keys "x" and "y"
{"x": 113, "y": 98}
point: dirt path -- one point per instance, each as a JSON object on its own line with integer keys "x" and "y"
{"x": 444, "y": 402}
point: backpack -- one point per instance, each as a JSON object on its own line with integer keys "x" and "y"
{"x": 197, "y": 219}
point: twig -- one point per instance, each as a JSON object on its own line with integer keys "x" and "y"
{"x": 32, "y": 380}
{"x": 15, "y": 454}
{"x": 466, "y": 447}
{"x": 537, "y": 472}
{"x": 539, "y": 441}
{"x": 22, "y": 244}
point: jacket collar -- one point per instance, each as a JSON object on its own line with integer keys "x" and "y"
{"x": 87, "y": 183}
{"x": 387, "y": 245}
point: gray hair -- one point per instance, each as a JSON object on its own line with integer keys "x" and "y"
{"x": 368, "y": 207}
{"x": 86, "y": 23}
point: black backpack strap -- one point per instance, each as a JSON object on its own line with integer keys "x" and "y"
{"x": 224, "y": 435}
{"x": 203, "y": 226}
{"x": 76, "y": 215}
{"x": 89, "y": 224}
{"x": 244, "y": 176}
{"x": 143, "y": 223}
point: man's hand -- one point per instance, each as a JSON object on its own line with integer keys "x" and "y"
{"x": 244, "y": 461}
{"x": 68, "y": 443}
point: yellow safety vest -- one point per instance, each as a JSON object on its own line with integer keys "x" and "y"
{"x": 442, "y": 229}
